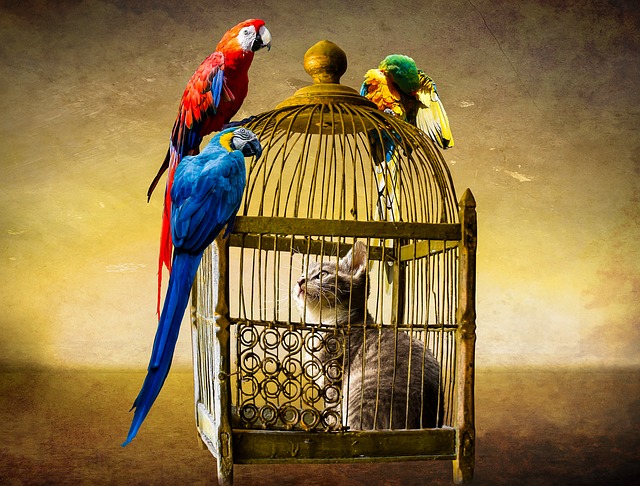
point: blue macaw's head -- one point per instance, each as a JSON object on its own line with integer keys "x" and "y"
{"x": 403, "y": 71}
{"x": 246, "y": 142}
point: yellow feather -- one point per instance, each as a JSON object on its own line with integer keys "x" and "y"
{"x": 431, "y": 118}
{"x": 225, "y": 141}
{"x": 382, "y": 92}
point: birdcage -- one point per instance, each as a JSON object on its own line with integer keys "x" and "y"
{"x": 274, "y": 385}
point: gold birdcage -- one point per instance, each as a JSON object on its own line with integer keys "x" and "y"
{"x": 322, "y": 183}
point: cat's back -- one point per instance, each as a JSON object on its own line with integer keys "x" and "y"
{"x": 387, "y": 367}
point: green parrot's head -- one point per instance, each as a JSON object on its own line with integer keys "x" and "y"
{"x": 403, "y": 71}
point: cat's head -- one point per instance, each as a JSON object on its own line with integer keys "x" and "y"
{"x": 331, "y": 293}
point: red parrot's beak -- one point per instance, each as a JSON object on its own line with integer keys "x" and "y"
{"x": 263, "y": 39}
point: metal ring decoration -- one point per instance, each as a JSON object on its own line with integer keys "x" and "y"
{"x": 309, "y": 419}
{"x": 280, "y": 367}
{"x": 249, "y": 413}
{"x": 331, "y": 394}
{"x": 312, "y": 369}
{"x": 291, "y": 341}
{"x": 313, "y": 342}
{"x": 250, "y": 362}
{"x": 271, "y": 388}
{"x": 290, "y": 416}
{"x": 331, "y": 420}
{"x": 254, "y": 384}
{"x": 333, "y": 345}
{"x": 311, "y": 393}
{"x": 291, "y": 389}
{"x": 248, "y": 336}
{"x": 333, "y": 370}
{"x": 270, "y": 339}
{"x": 270, "y": 366}
{"x": 291, "y": 367}
{"x": 268, "y": 414}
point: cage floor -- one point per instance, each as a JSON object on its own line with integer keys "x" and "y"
{"x": 534, "y": 427}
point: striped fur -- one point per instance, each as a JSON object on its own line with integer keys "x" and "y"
{"x": 390, "y": 380}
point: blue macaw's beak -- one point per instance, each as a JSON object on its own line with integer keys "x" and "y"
{"x": 252, "y": 148}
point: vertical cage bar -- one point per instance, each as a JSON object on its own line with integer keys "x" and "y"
{"x": 221, "y": 362}
{"x": 198, "y": 372}
{"x": 463, "y": 465}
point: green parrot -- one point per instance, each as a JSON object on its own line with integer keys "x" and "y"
{"x": 400, "y": 88}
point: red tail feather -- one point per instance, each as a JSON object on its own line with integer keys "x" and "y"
{"x": 166, "y": 243}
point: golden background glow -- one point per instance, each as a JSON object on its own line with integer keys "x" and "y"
{"x": 543, "y": 101}
{"x": 542, "y": 98}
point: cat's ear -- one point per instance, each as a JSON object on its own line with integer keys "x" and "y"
{"x": 356, "y": 259}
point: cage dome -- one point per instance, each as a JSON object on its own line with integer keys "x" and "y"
{"x": 321, "y": 159}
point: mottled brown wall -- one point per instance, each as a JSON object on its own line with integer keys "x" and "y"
{"x": 542, "y": 97}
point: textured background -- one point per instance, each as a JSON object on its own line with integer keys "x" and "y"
{"x": 542, "y": 98}
{"x": 544, "y": 103}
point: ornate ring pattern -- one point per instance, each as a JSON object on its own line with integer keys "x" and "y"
{"x": 289, "y": 378}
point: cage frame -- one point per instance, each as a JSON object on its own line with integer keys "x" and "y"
{"x": 231, "y": 446}
{"x": 213, "y": 413}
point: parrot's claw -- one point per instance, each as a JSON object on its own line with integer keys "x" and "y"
{"x": 233, "y": 124}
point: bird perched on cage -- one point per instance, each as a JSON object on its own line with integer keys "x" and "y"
{"x": 212, "y": 97}
{"x": 205, "y": 195}
{"x": 398, "y": 87}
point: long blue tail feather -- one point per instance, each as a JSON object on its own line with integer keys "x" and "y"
{"x": 184, "y": 270}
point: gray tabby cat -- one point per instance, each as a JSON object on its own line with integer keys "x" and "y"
{"x": 377, "y": 362}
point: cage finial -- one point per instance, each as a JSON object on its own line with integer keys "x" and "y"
{"x": 325, "y": 62}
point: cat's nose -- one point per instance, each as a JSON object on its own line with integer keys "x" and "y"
{"x": 301, "y": 281}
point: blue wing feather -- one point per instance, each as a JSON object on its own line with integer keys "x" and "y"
{"x": 216, "y": 87}
{"x": 364, "y": 89}
{"x": 196, "y": 219}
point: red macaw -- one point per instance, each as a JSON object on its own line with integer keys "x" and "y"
{"x": 212, "y": 97}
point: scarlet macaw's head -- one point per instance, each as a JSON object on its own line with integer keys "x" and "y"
{"x": 248, "y": 36}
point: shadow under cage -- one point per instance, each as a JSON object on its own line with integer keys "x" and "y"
{"x": 337, "y": 321}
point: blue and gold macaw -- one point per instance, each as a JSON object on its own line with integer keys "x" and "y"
{"x": 206, "y": 194}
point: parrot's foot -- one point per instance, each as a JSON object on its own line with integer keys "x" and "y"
{"x": 240, "y": 123}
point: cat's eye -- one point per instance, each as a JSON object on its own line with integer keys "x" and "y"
{"x": 323, "y": 274}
